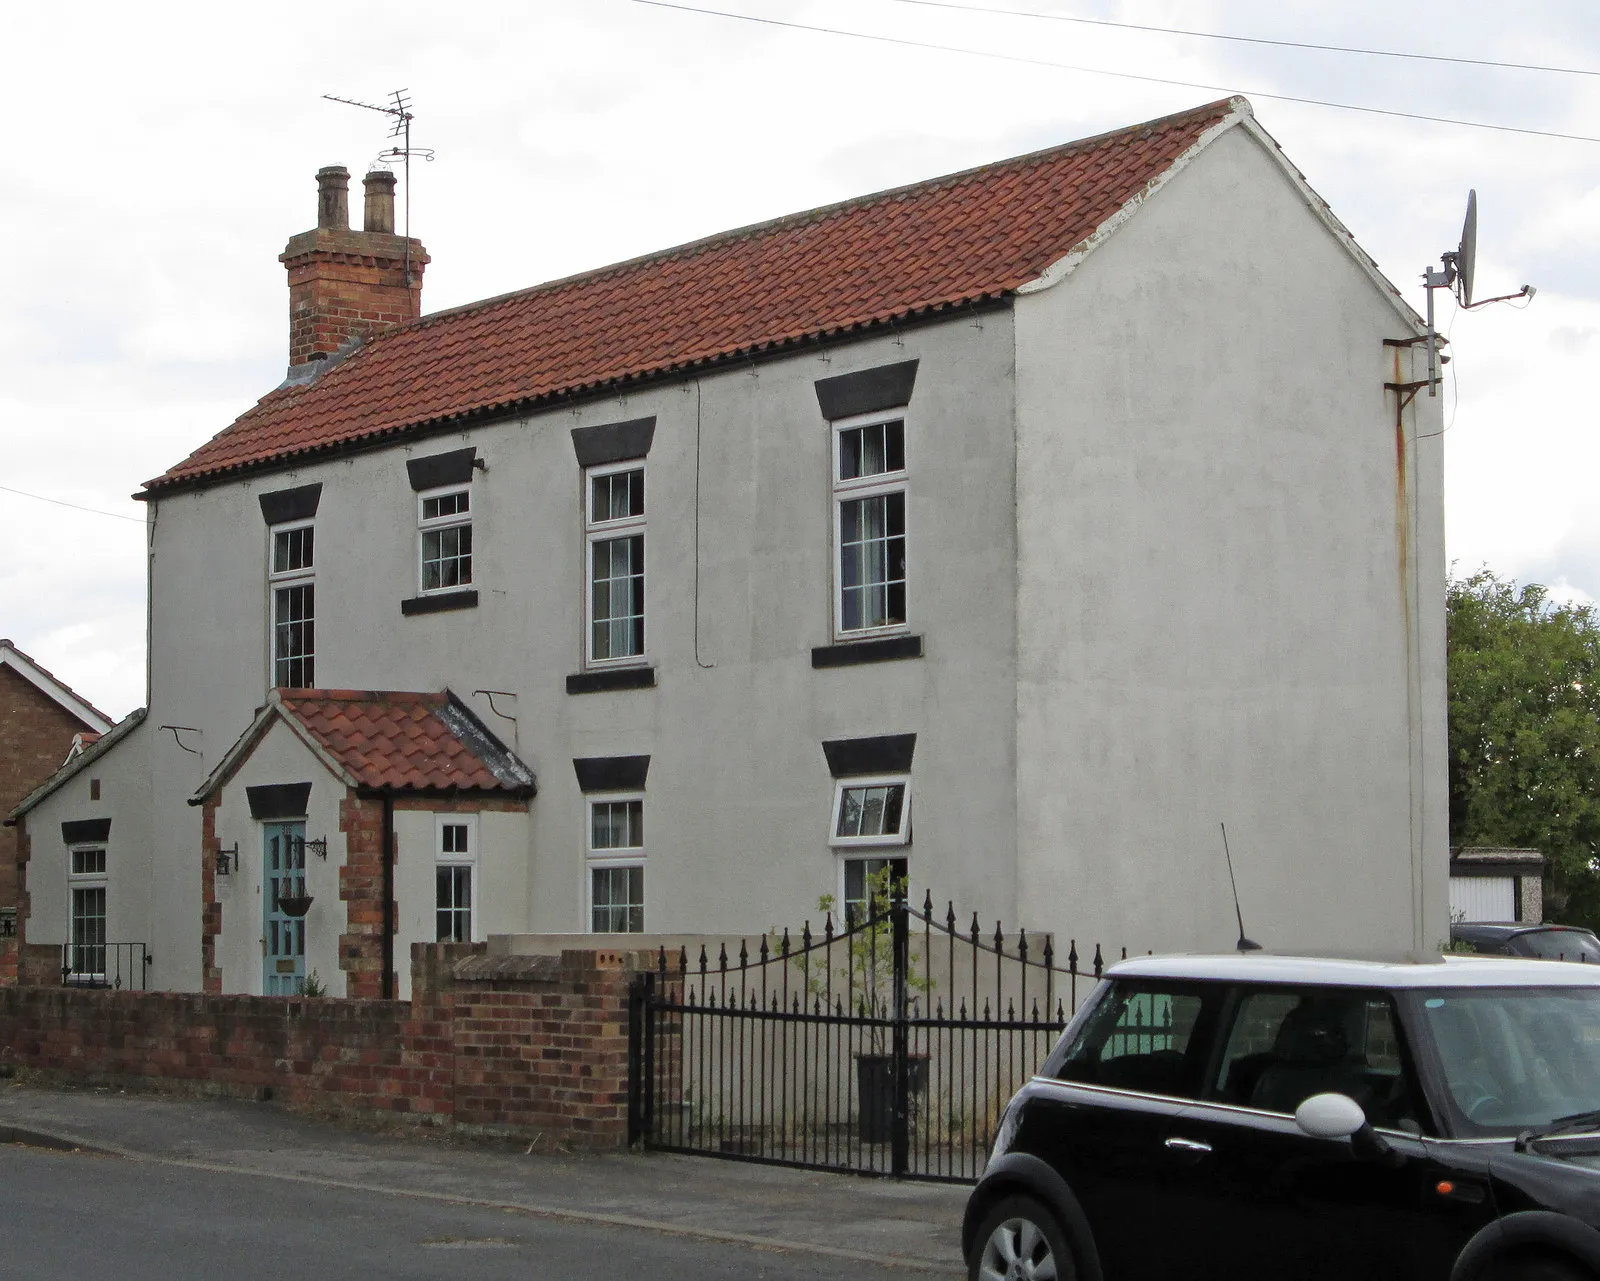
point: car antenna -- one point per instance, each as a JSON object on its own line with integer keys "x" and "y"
{"x": 1244, "y": 944}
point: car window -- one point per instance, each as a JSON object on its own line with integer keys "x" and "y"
{"x": 1513, "y": 1057}
{"x": 1286, "y": 1044}
{"x": 1147, "y": 1036}
{"x": 1557, "y": 945}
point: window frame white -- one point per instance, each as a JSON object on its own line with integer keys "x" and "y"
{"x": 611, "y": 857}
{"x": 454, "y": 858}
{"x": 282, "y": 580}
{"x": 434, "y": 524}
{"x": 883, "y": 854}
{"x": 96, "y": 880}
{"x": 608, "y": 530}
{"x": 897, "y": 838}
{"x": 859, "y": 487}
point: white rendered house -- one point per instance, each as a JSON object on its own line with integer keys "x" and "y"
{"x": 1012, "y": 529}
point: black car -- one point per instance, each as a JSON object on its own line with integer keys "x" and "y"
{"x": 1256, "y": 1116}
{"x": 1515, "y": 938}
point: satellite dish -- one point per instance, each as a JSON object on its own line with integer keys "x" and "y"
{"x": 1467, "y": 255}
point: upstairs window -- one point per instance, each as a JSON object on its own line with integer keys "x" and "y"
{"x": 444, "y": 522}
{"x": 615, "y": 528}
{"x": 869, "y": 486}
{"x": 293, "y": 594}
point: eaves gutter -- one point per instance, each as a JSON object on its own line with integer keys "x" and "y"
{"x": 526, "y": 793}
{"x": 778, "y": 349}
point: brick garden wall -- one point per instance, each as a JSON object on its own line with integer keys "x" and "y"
{"x": 518, "y": 1046}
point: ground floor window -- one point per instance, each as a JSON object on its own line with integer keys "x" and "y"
{"x": 616, "y": 896}
{"x": 455, "y": 905}
{"x": 866, "y": 879}
{"x": 457, "y": 850}
{"x": 89, "y": 931}
{"x": 616, "y": 865}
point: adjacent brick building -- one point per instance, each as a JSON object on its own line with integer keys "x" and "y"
{"x": 40, "y": 719}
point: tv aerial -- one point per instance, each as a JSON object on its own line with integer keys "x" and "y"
{"x": 399, "y": 110}
{"x": 1459, "y": 267}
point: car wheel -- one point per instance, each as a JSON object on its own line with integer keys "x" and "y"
{"x": 1540, "y": 1268}
{"x": 1020, "y": 1240}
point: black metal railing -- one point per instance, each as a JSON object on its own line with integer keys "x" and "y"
{"x": 888, "y": 1047}
{"x": 112, "y": 965}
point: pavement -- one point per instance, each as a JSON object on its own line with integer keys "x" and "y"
{"x": 915, "y": 1226}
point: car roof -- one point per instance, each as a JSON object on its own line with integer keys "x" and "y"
{"x": 1426, "y": 971}
{"x": 1506, "y": 929}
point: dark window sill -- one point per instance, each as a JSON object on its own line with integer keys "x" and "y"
{"x": 849, "y": 653}
{"x": 611, "y": 678}
{"x": 440, "y": 603}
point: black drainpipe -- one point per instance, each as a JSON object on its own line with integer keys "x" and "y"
{"x": 388, "y": 896}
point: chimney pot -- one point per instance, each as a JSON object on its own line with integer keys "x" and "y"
{"x": 333, "y": 197}
{"x": 378, "y": 214}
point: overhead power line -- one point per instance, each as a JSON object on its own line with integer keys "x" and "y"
{"x": 1262, "y": 40}
{"x": 93, "y": 511}
{"x": 1121, "y": 75}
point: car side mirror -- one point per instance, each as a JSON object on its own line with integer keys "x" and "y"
{"x": 1330, "y": 1116}
{"x": 1338, "y": 1116}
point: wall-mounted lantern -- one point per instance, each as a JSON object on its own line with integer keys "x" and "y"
{"x": 227, "y": 859}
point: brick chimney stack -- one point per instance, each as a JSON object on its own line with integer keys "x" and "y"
{"x": 344, "y": 284}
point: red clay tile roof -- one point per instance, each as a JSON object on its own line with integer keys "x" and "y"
{"x": 398, "y": 740}
{"x": 916, "y": 250}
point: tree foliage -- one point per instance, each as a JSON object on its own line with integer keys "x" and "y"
{"x": 1524, "y": 677}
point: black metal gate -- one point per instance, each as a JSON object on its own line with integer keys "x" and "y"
{"x": 888, "y": 1047}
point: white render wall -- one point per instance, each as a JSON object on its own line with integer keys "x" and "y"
{"x": 739, "y": 796}
{"x": 280, "y": 757}
{"x": 499, "y": 875}
{"x": 125, "y": 800}
{"x": 1218, "y": 620}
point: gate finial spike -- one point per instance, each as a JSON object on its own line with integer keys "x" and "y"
{"x": 805, "y": 935}
{"x": 950, "y": 917}
{"x": 784, "y": 946}
{"x": 722, "y": 960}
{"x": 703, "y": 961}
{"x": 1022, "y": 946}
{"x": 827, "y": 929}
{"x": 999, "y": 937}
{"x": 1035, "y": 1009}
{"x": 1099, "y": 964}
{"x": 661, "y": 960}
{"x": 683, "y": 960}
{"x": 744, "y": 955}
{"x": 1011, "y": 1011}
{"x": 976, "y": 931}
{"x": 1049, "y": 951}
{"x": 1124, "y": 954}
{"x": 927, "y": 902}
{"x": 1072, "y": 955}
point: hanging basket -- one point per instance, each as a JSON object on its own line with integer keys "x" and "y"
{"x": 294, "y": 904}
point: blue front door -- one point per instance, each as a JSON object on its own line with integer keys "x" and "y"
{"x": 284, "y": 862}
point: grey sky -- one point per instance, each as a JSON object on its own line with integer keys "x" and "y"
{"x": 159, "y": 156}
